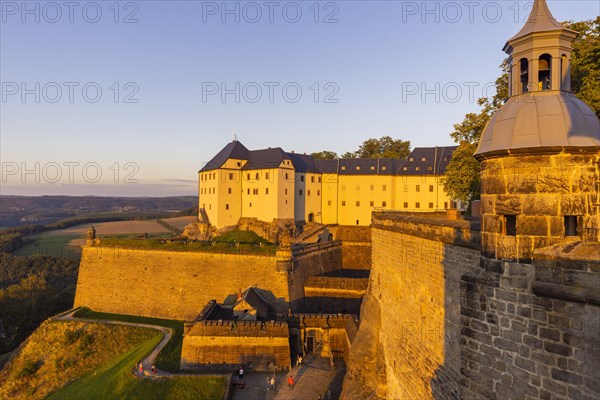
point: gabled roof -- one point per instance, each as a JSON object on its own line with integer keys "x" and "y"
{"x": 265, "y": 159}
{"x": 235, "y": 150}
{"x": 253, "y": 298}
{"x": 303, "y": 163}
{"x": 540, "y": 20}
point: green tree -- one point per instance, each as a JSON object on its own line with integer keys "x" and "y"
{"x": 462, "y": 179}
{"x": 325, "y": 155}
{"x": 385, "y": 147}
{"x": 586, "y": 62}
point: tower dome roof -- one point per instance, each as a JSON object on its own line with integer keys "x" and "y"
{"x": 540, "y": 119}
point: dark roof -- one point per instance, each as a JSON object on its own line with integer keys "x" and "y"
{"x": 253, "y": 297}
{"x": 266, "y": 158}
{"x": 214, "y": 311}
{"x": 425, "y": 161}
{"x": 303, "y": 163}
{"x": 234, "y": 150}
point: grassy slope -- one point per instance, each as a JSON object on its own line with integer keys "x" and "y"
{"x": 168, "y": 359}
{"x": 115, "y": 381}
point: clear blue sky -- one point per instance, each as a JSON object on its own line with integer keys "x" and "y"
{"x": 178, "y": 53}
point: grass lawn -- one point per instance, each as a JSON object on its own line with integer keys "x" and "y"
{"x": 48, "y": 244}
{"x": 168, "y": 359}
{"x": 217, "y": 247}
{"x": 115, "y": 381}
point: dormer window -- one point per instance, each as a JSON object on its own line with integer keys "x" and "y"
{"x": 343, "y": 167}
{"x": 358, "y": 167}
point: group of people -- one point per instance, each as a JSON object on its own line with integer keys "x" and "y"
{"x": 139, "y": 369}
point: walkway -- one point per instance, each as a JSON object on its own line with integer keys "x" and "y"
{"x": 314, "y": 379}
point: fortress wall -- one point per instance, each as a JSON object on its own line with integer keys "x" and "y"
{"x": 173, "y": 285}
{"x": 408, "y": 344}
{"x": 356, "y": 246}
{"x": 310, "y": 260}
{"x": 255, "y": 346}
{"x": 441, "y": 322}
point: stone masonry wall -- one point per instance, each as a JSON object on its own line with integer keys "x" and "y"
{"x": 441, "y": 322}
{"x": 224, "y": 345}
{"x": 173, "y": 285}
{"x": 415, "y": 333}
{"x": 356, "y": 246}
{"x": 533, "y": 331}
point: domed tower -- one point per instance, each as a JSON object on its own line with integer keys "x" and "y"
{"x": 540, "y": 152}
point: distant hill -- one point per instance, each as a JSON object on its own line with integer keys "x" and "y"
{"x": 43, "y": 210}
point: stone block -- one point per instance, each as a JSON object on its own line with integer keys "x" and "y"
{"x": 508, "y": 204}
{"x": 573, "y": 204}
{"x": 492, "y": 223}
{"x": 532, "y": 226}
{"x": 488, "y": 204}
{"x": 553, "y": 182}
{"x": 535, "y": 204}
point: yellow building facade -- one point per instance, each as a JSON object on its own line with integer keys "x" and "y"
{"x": 271, "y": 184}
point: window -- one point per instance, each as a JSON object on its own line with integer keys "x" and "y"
{"x": 372, "y": 168}
{"x": 383, "y": 169}
{"x": 300, "y": 192}
{"x": 405, "y": 205}
{"x": 429, "y": 168}
{"x": 404, "y": 168}
{"x": 570, "y": 225}
{"x": 431, "y": 188}
{"x": 210, "y": 206}
{"x": 228, "y": 190}
{"x": 319, "y": 179}
{"x": 248, "y": 190}
{"x": 446, "y": 205}
{"x": 230, "y": 177}
{"x": 257, "y": 176}
{"x": 255, "y": 191}
{"x": 343, "y": 187}
{"x": 372, "y": 187}
{"x": 423, "y": 159}
{"x": 227, "y": 206}
{"x": 343, "y": 167}
{"x": 358, "y": 204}
{"x": 312, "y": 179}
{"x": 329, "y": 202}
{"x": 418, "y": 188}
{"x": 384, "y": 187}
{"x": 383, "y": 204}
{"x": 430, "y": 205}
{"x": 301, "y": 178}
{"x": 510, "y": 225}
{"x": 286, "y": 202}
{"x": 417, "y": 168}
{"x": 343, "y": 203}
{"x": 417, "y": 205}
{"x": 308, "y": 192}
{"x": 358, "y": 167}
{"x": 248, "y": 177}
{"x": 285, "y": 191}
{"x": 318, "y": 192}
{"x": 372, "y": 204}
{"x": 267, "y": 191}
{"x": 357, "y": 187}
{"x": 406, "y": 188}
{"x": 286, "y": 176}
{"x": 267, "y": 175}
{"x": 238, "y": 164}
{"x": 411, "y": 159}
{"x": 250, "y": 205}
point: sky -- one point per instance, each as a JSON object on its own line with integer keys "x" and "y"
{"x": 132, "y": 98}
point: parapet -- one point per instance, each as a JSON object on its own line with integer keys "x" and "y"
{"x": 465, "y": 233}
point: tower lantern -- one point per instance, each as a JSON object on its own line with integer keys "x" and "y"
{"x": 540, "y": 152}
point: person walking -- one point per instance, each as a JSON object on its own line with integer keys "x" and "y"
{"x": 241, "y": 373}
{"x": 272, "y": 382}
{"x": 290, "y": 382}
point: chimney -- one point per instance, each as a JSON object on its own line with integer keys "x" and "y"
{"x": 239, "y": 294}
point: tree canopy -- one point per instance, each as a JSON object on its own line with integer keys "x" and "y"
{"x": 325, "y": 155}
{"x": 385, "y": 147}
